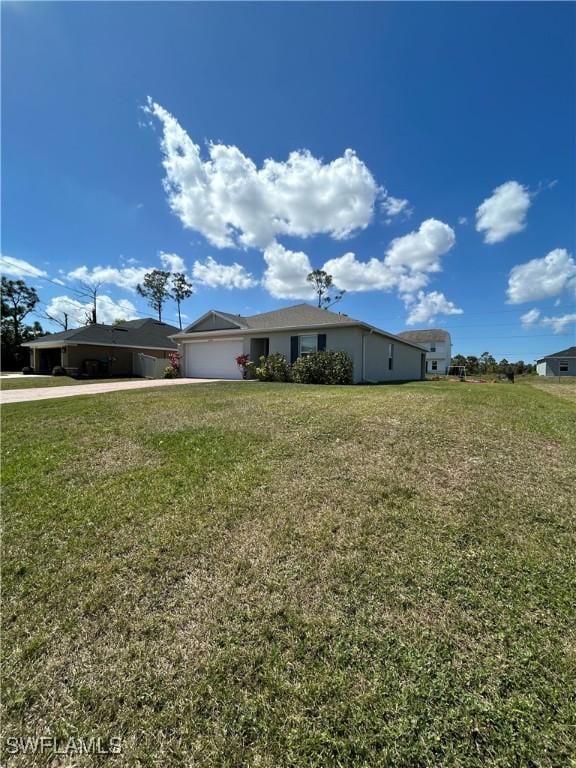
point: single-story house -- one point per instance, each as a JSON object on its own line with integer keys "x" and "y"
{"x": 104, "y": 350}
{"x": 211, "y": 344}
{"x": 438, "y": 346}
{"x": 561, "y": 363}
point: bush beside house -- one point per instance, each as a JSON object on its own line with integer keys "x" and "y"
{"x": 326, "y": 367}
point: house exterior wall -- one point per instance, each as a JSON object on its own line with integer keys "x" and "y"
{"x": 337, "y": 339}
{"x": 407, "y": 359}
{"x": 551, "y": 367}
{"x": 442, "y": 355}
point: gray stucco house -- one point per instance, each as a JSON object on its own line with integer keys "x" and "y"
{"x": 561, "y": 363}
{"x": 438, "y": 346}
{"x": 211, "y": 344}
{"x": 103, "y": 350}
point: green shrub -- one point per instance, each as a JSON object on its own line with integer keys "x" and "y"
{"x": 323, "y": 368}
{"x": 58, "y": 371}
{"x": 170, "y": 372}
{"x": 27, "y": 370}
{"x": 273, "y": 368}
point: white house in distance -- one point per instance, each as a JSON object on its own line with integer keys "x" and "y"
{"x": 561, "y": 363}
{"x": 438, "y": 346}
{"x": 211, "y": 344}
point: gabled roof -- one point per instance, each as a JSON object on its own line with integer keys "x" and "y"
{"x": 426, "y": 334}
{"x": 145, "y": 332}
{"x": 300, "y": 315}
{"x": 570, "y": 352}
{"x": 289, "y": 318}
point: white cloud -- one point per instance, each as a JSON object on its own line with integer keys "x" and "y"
{"x": 530, "y": 317}
{"x": 352, "y": 275}
{"x": 123, "y": 277}
{"x": 286, "y": 272}
{"x": 420, "y": 251}
{"x": 426, "y": 306}
{"x": 108, "y": 309}
{"x": 462, "y": 220}
{"x": 405, "y": 268}
{"x": 504, "y": 212}
{"x": 216, "y": 275}
{"x": 542, "y": 278}
{"x": 172, "y": 262}
{"x": 232, "y": 202}
{"x": 559, "y": 324}
{"x": 19, "y": 268}
{"x": 394, "y": 206}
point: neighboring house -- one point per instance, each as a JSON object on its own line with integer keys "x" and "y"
{"x": 438, "y": 346}
{"x": 211, "y": 344}
{"x": 103, "y": 350}
{"x": 561, "y": 363}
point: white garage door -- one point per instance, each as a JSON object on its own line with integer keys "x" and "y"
{"x": 213, "y": 359}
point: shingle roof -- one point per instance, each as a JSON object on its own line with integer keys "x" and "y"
{"x": 292, "y": 317}
{"x": 570, "y": 352}
{"x": 426, "y": 334}
{"x": 145, "y": 332}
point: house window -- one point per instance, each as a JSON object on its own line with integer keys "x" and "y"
{"x": 433, "y": 347}
{"x": 434, "y": 365}
{"x": 563, "y": 366}
{"x": 307, "y": 345}
{"x": 390, "y": 357}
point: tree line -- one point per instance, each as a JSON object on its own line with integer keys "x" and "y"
{"x": 487, "y": 364}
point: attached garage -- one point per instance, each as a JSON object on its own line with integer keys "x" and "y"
{"x": 212, "y": 359}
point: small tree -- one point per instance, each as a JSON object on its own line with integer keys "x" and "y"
{"x": 155, "y": 289}
{"x": 323, "y": 282}
{"x": 18, "y": 301}
{"x": 182, "y": 289}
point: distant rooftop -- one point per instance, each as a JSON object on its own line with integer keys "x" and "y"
{"x": 426, "y": 334}
{"x": 144, "y": 332}
{"x": 570, "y": 352}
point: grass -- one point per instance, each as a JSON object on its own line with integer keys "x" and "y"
{"x": 53, "y": 381}
{"x": 281, "y": 575}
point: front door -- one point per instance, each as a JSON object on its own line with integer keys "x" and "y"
{"x": 259, "y": 348}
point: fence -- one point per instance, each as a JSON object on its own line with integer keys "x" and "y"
{"x": 149, "y": 367}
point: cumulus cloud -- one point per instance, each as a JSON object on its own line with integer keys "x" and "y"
{"x": 172, "y": 262}
{"x": 352, "y": 275}
{"x": 286, "y": 272}
{"x": 425, "y": 307}
{"x": 395, "y": 206}
{"x": 216, "y": 275}
{"x": 529, "y": 318}
{"x": 559, "y": 324}
{"x": 108, "y": 309}
{"x": 420, "y": 251}
{"x": 123, "y": 277}
{"x": 19, "y": 268}
{"x": 542, "y": 278}
{"x": 232, "y": 202}
{"x": 405, "y": 266}
{"x": 504, "y": 212}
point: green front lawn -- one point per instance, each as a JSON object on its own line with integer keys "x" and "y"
{"x": 279, "y": 575}
{"x": 27, "y": 382}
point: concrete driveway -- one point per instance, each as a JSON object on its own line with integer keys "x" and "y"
{"x": 51, "y": 393}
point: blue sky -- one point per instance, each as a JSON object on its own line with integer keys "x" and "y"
{"x": 454, "y": 208}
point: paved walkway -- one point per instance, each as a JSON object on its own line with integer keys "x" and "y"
{"x": 50, "y": 393}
